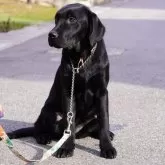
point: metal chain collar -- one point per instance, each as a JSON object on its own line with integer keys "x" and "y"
{"x": 81, "y": 64}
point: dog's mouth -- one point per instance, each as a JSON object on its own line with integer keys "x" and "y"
{"x": 57, "y": 44}
{"x": 53, "y": 43}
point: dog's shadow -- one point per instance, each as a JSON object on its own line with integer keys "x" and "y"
{"x": 10, "y": 125}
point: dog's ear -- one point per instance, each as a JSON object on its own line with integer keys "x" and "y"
{"x": 96, "y": 29}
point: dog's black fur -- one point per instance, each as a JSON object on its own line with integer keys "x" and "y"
{"x": 77, "y": 30}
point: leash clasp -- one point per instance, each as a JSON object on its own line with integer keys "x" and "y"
{"x": 69, "y": 119}
{"x": 68, "y": 132}
{"x": 76, "y": 70}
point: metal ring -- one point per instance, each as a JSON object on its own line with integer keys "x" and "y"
{"x": 67, "y": 132}
{"x": 70, "y": 114}
{"x": 76, "y": 70}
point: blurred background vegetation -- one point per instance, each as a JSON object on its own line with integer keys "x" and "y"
{"x": 15, "y": 14}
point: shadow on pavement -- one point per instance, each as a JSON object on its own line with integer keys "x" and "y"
{"x": 10, "y": 125}
{"x": 89, "y": 150}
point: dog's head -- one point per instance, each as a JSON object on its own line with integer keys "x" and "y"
{"x": 74, "y": 24}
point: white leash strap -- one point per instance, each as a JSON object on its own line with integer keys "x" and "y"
{"x": 55, "y": 147}
{"x": 46, "y": 155}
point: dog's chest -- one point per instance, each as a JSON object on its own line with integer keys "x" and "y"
{"x": 84, "y": 96}
{"x": 83, "y": 87}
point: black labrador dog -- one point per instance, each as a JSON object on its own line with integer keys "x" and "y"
{"x": 80, "y": 33}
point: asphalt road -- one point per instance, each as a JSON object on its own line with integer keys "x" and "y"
{"x": 135, "y": 43}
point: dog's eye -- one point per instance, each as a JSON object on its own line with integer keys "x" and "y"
{"x": 72, "y": 20}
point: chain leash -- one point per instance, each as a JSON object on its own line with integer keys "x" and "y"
{"x": 70, "y": 113}
{"x": 81, "y": 64}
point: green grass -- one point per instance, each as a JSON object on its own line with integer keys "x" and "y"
{"x": 24, "y": 14}
{"x": 8, "y": 25}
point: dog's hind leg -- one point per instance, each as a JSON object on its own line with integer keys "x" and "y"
{"x": 23, "y": 132}
{"x": 92, "y": 130}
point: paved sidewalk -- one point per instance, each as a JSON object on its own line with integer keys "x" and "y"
{"x": 135, "y": 44}
{"x": 17, "y": 37}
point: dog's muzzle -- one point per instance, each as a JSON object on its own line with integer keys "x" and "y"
{"x": 53, "y": 34}
{"x": 53, "y": 39}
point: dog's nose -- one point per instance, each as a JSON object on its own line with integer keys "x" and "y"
{"x": 53, "y": 35}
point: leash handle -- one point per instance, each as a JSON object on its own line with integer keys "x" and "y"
{"x": 1, "y": 132}
{"x": 5, "y": 138}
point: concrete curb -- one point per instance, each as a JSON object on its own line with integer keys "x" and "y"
{"x": 17, "y": 37}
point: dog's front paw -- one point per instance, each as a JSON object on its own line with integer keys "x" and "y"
{"x": 111, "y": 134}
{"x": 64, "y": 153}
{"x": 43, "y": 139}
{"x": 110, "y": 153}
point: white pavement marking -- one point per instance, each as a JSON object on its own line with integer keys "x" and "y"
{"x": 4, "y": 45}
{"x": 115, "y": 51}
{"x": 136, "y": 14}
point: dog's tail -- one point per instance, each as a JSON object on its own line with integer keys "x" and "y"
{"x": 23, "y": 132}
